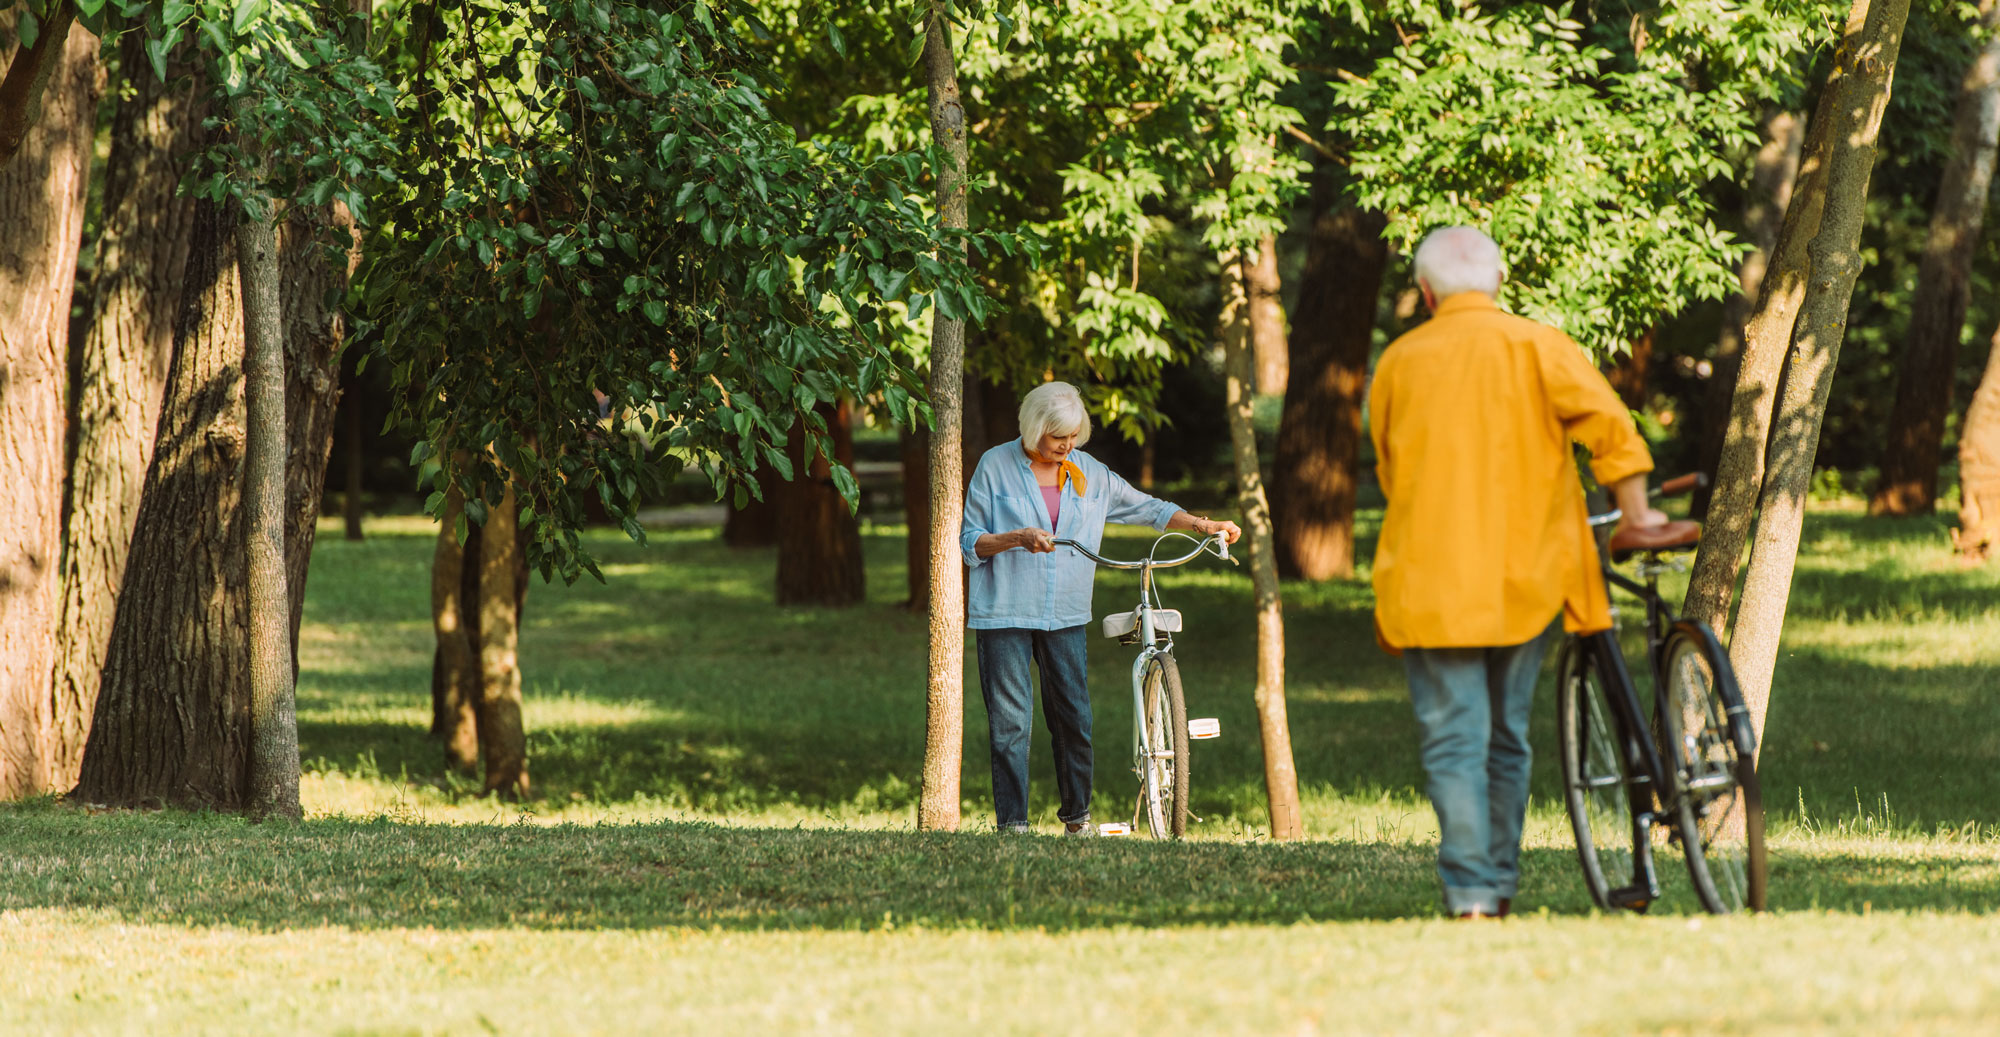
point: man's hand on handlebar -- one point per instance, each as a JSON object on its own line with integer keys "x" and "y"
{"x": 1630, "y": 493}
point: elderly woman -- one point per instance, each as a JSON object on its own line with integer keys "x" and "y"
{"x": 1029, "y": 601}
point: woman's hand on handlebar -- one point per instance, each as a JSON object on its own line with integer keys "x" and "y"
{"x": 1210, "y": 527}
{"x": 1033, "y": 541}
{"x": 1630, "y": 493}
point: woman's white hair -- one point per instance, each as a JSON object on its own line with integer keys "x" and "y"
{"x": 1054, "y": 409}
{"x": 1458, "y": 259}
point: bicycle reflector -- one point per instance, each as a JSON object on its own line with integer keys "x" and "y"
{"x": 1205, "y": 727}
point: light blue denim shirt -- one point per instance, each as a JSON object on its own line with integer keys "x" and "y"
{"x": 1018, "y": 589}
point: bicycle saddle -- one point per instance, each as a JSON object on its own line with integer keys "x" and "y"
{"x": 1674, "y": 536}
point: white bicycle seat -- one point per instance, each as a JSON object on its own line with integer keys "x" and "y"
{"x": 1124, "y": 624}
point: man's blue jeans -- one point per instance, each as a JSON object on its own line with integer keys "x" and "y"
{"x": 1005, "y": 659}
{"x": 1473, "y": 704}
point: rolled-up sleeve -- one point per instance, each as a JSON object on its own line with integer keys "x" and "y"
{"x": 1591, "y": 413}
{"x": 978, "y": 514}
{"x": 1125, "y": 503}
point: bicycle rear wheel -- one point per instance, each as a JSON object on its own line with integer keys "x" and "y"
{"x": 1707, "y": 741}
{"x": 1163, "y": 764}
{"x": 1596, "y": 776}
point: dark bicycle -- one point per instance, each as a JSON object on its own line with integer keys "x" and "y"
{"x": 1689, "y": 771}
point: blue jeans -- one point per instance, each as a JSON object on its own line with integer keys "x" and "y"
{"x": 1005, "y": 682}
{"x": 1473, "y": 704}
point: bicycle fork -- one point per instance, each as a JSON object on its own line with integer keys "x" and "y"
{"x": 1642, "y": 763}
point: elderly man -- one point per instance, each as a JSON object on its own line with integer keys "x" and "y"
{"x": 1485, "y": 541}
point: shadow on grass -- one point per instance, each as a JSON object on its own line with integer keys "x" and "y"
{"x": 207, "y": 870}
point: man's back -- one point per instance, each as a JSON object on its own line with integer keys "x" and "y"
{"x": 1472, "y": 415}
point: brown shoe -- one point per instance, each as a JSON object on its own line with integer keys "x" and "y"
{"x": 1506, "y": 906}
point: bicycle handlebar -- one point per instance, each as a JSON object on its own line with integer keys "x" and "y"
{"x": 1221, "y": 551}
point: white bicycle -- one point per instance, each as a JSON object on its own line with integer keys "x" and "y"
{"x": 1161, "y": 729}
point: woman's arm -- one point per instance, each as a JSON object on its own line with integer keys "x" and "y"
{"x": 1036, "y": 541}
{"x": 1205, "y": 526}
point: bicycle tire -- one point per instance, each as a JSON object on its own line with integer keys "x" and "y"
{"x": 1707, "y": 743}
{"x": 1596, "y": 774}
{"x": 1164, "y": 779}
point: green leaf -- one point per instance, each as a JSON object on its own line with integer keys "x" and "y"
{"x": 29, "y": 28}
{"x": 833, "y": 36}
{"x": 656, "y": 311}
{"x": 246, "y": 14}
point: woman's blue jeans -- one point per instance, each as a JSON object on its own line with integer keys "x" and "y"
{"x": 1005, "y": 658}
{"x": 1473, "y": 704}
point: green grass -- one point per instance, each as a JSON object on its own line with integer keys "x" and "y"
{"x": 725, "y": 791}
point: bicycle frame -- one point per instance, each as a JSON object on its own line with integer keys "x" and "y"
{"x": 1650, "y": 782}
{"x": 1150, "y": 638}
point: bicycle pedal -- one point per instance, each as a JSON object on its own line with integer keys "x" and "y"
{"x": 1205, "y": 727}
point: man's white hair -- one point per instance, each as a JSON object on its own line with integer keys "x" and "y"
{"x": 1054, "y": 409}
{"x": 1458, "y": 259}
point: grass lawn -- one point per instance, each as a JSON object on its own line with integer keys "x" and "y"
{"x": 721, "y": 838}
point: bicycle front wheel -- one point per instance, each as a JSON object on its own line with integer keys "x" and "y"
{"x": 1163, "y": 760}
{"x": 1708, "y": 744}
{"x": 1595, "y": 774}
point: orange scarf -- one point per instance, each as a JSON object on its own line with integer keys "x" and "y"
{"x": 1069, "y": 469}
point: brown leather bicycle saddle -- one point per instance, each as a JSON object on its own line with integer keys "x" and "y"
{"x": 1674, "y": 536}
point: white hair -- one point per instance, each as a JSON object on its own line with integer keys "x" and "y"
{"x": 1054, "y": 409}
{"x": 1458, "y": 259}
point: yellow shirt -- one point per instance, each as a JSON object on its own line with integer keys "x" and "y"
{"x": 1485, "y": 539}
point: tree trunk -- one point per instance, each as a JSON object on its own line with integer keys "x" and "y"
{"x": 1739, "y": 473}
{"x": 274, "y": 725}
{"x": 819, "y": 541}
{"x": 1267, "y": 320}
{"x": 1317, "y": 468}
{"x": 1281, "y": 778}
{"x": 350, "y": 494}
{"x": 755, "y": 524}
{"x": 1978, "y": 532}
{"x": 455, "y": 668}
{"x": 502, "y": 738}
{"x": 122, "y": 366}
{"x": 1772, "y": 173}
{"x": 173, "y": 719}
{"x": 944, "y": 707}
{"x": 1944, "y": 287}
{"x": 24, "y": 92}
{"x": 1863, "y": 73}
{"x": 314, "y": 335}
{"x": 41, "y": 225}
{"x": 1631, "y": 374}
{"x": 916, "y": 517}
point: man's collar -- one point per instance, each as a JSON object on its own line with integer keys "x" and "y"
{"x": 1465, "y": 301}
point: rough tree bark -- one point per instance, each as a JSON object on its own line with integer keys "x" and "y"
{"x": 1978, "y": 532}
{"x": 455, "y": 669}
{"x": 1632, "y": 373}
{"x": 1910, "y": 462}
{"x": 351, "y": 432}
{"x": 122, "y": 363}
{"x": 274, "y": 726}
{"x": 1863, "y": 73}
{"x": 819, "y": 541}
{"x": 172, "y": 723}
{"x": 1281, "y": 778}
{"x": 944, "y": 706}
{"x": 755, "y": 524}
{"x": 41, "y": 222}
{"x": 25, "y": 88}
{"x": 1739, "y": 470}
{"x": 1267, "y": 319}
{"x": 1772, "y": 173}
{"x": 1317, "y": 468}
{"x": 503, "y": 740}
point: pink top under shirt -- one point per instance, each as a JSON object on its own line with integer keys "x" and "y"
{"x": 1053, "y": 495}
